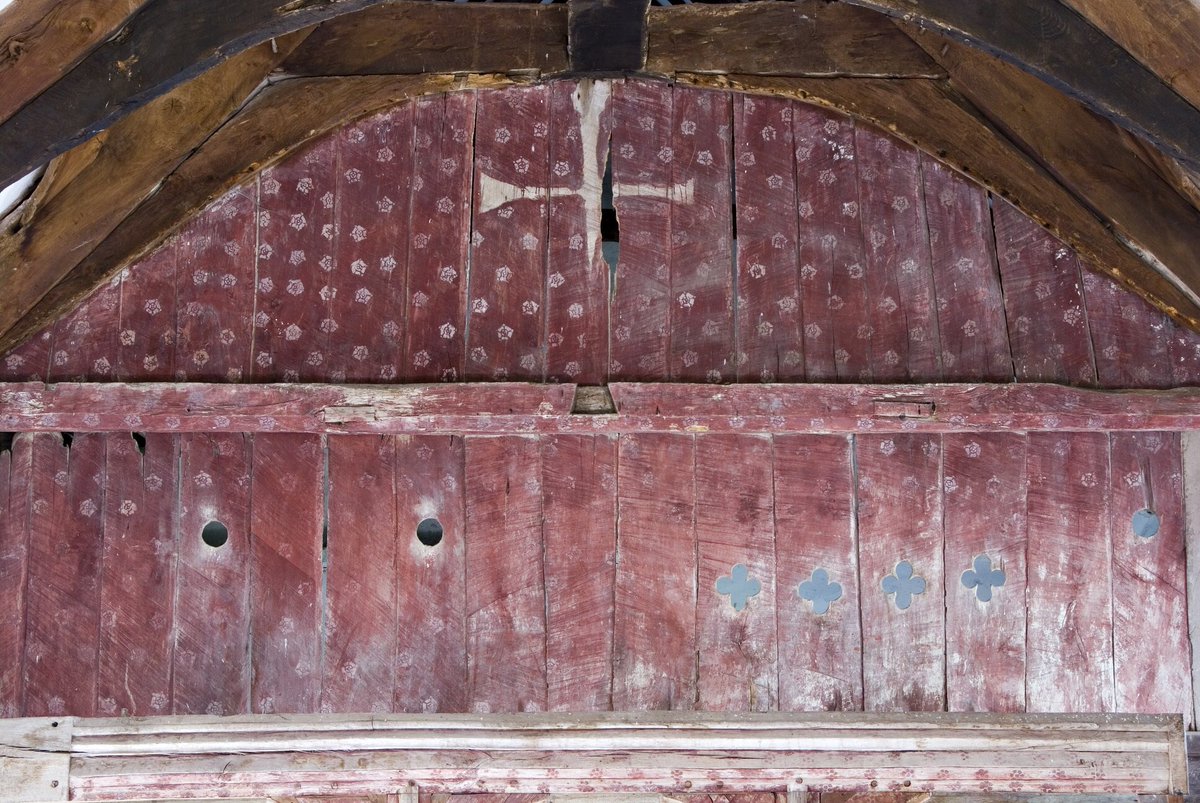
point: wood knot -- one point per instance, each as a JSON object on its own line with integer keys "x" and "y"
{"x": 14, "y": 49}
{"x": 87, "y": 25}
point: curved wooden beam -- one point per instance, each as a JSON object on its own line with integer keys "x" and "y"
{"x": 1055, "y": 43}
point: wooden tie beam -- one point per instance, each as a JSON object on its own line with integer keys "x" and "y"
{"x": 176, "y": 758}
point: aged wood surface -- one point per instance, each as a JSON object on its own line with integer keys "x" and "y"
{"x": 1189, "y": 446}
{"x": 15, "y": 476}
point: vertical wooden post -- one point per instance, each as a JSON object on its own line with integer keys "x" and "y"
{"x": 1191, "y": 509}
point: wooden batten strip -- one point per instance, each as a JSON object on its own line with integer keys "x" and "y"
{"x": 514, "y": 408}
{"x": 1190, "y": 449}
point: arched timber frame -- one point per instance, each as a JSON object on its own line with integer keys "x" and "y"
{"x": 182, "y": 102}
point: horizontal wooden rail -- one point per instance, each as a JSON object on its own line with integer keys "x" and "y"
{"x": 173, "y": 758}
{"x": 518, "y": 408}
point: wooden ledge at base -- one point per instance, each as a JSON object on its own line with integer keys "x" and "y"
{"x": 269, "y": 756}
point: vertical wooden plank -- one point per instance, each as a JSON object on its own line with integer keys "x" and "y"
{"x": 900, "y": 523}
{"x": 297, "y": 244}
{"x": 431, "y": 664}
{"x": 212, "y": 616}
{"x": 966, "y": 274}
{"x": 654, "y": 629}
{"x": 641, "y": 173}
{"x": 63, "y": 603}
{"x": 833, "y": 293}
{"x": 701, "y": 334}
{"x": 443, "y": 166}
{"x": 768, "y": 323}
{"x": 905, "y": 342}
{"x": 820, "y": 639}
{"x": 1131, "y": 338}
{"x": 576, "y": 273}
{"x": 1069, "y": 655}
{"x": 85, "y": 341}
{"x": 985, "y": 491}
{"x": 1043, "y": 299}
{"x": 137, "y": 599}
{"x": 506, "y": 600}
{"x": 735, "y": 525}
{"x": 366, "y": 286}
{"x": 1190, "y": 448}
{"x": 506, "y": 314}
{"x": 30, "y": 361}
{"x": 360, "y": 620}
{"x": 579, "y": 481}
{"x": 1185, "y": 355}
{"x": 286, "y": 521}
{"x": 16, "y": 481}
{"x": 215, "y": 291}
{"x": 1149, "y": 575}
{"x": 147, "y": 334}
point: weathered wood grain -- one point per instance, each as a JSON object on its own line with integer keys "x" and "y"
{"x": 506, "y": 311}
{"x": 505, "y": 576}
{"x": 149, "y": 323}
{"x": 654, "y": 629}
{"x": 1189, "y": 446}
{"x": 737, "y": 666}
{"x": 63, "y": 599}
{"x": 361, "y": 625}
{"x": 900, "y": 508}
{"x": 16, "y": 483}
{"x": 984, "y": 514}
{"x": 970, "y": 304}
{"x": 767, "y": 336}
{"x": 804, "y": 38}
{"x": 579, "y": 485}
{"x": 399, "y": 38}
{"x": 77, "y": 351}
{"x": 701, "y": 300}
{"x": 438, "y": 252}
{"x": 820, "y": 653}
{"x": 137, "y": 592}
{"x": 212, "y": 608}
{"x": 434, "y": 582}
{"x": 607, "y": 36}
{"x": 286, "y": 596}
{"x": 1069, "y": 656}
{"x": 1130, "y": 338}
{"x": 1149, "y": 576}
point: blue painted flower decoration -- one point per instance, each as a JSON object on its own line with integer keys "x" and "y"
{"x": 739, "y": 586}
{"x": 819, "y": 591}
{"x": 983, "y": 578}
{"x": 903, "y": 584}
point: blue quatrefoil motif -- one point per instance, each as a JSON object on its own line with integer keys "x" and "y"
{"x": 739, "y": 586}
{"x": 819, "y": 591}
{"x": 983, "y": 578}
{"x": 903, "y": 584}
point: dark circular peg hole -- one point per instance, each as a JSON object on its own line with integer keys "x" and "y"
{"x": 215, "y": 534}
{"x": 429, "y": 532}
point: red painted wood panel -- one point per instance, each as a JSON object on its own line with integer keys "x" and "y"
{"x": 1043, "y": 297}
{"x": 769, "y": 345}
{"x": 970, "y": 305}
{"x": 365, "y": 328}
{"x": 433, "y": 581}
{"x": 580, "y": 533}
{"x": 286, "y": 520}
{"x": 443, "y": 160}
{"x": 735, "y": 525}
{"x": 1132, "y": 339}
{"x": 85, "y": 341}
{"x": 62, "y": 614}
{"x": 505, "y": 570}
{"x": 654, "y": 630}
{"x": 899, "y": 279}
{"x": 359, "y": 652}
{"x": 577, "y": 277}
{"x": 506, "y": 312}
{"x": 640, "y": 312}
{"x": 214, "y": 294}
{"x": 701, "y": 334}
{"x": 137, "y": 598}
{"x": 212, "y": 611}
{"x": 15, "y": 487}
{"x": 148, "y": 323}
{"x": 900, "y": 521}
{"x": 30, "y": 361}
{"x": 297, "y": 250}
{"x": 985, "y": 496}
{"x": 1149, "y": 581}
{"x": 833, "y": 294}
{"x": 1069, "y": 594}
